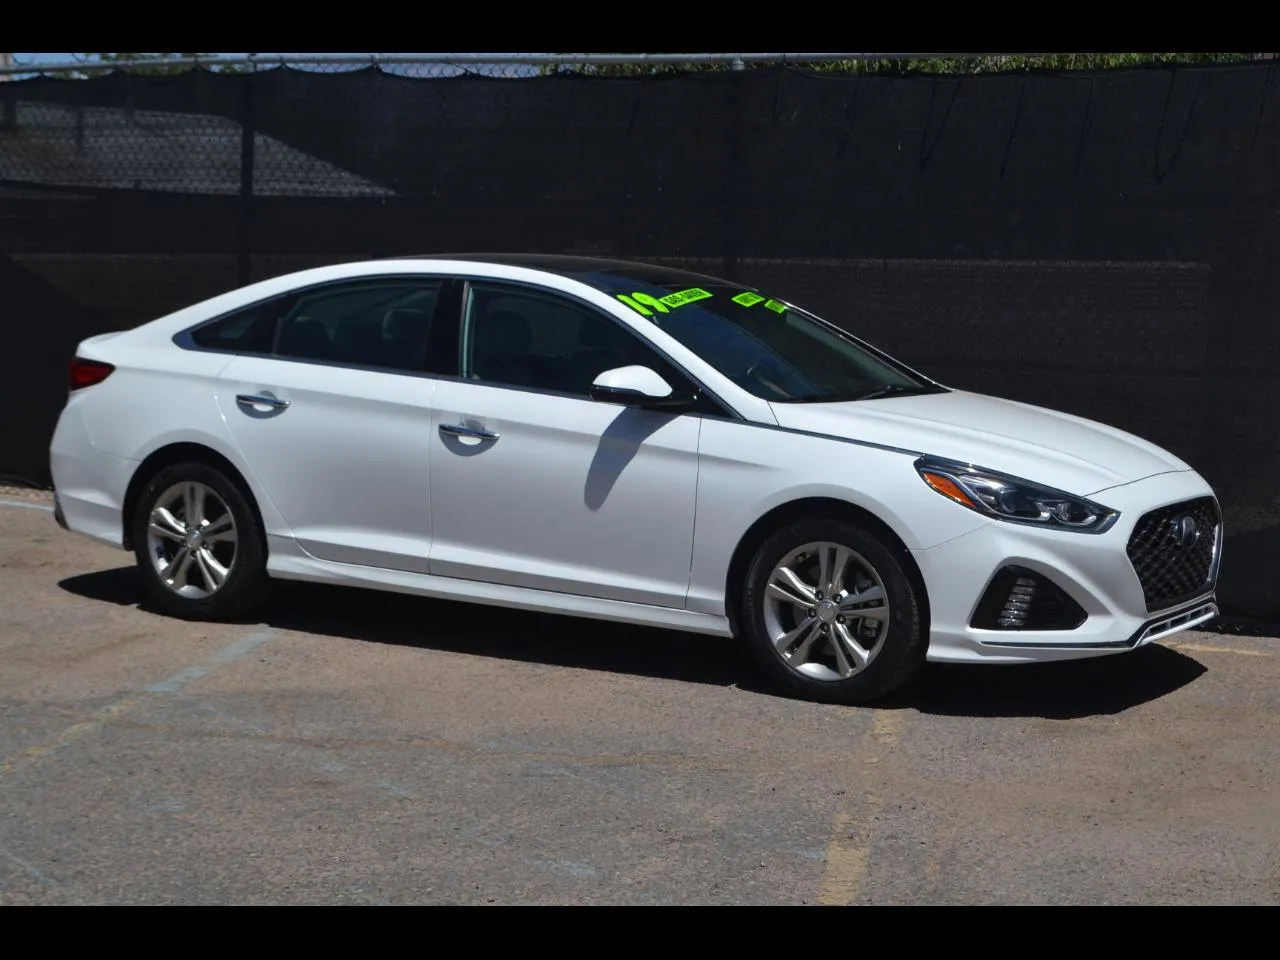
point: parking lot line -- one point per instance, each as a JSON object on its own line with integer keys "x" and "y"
{"x": 30, "y": 870}
{"x": 1210, "y": 648}
{"x": 172, "y": 684}
{"x": 848, "y": 851}
{"x": 26, "y": 506}
{"x": 885, "y": 726}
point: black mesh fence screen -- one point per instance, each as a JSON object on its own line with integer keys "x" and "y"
{"x": 1104, "y": 244}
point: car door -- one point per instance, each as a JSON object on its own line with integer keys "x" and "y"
{"x": 533, "y": 484}
{"x": 335, "y": 423}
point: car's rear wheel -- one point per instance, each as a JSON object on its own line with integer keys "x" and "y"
{"x": 199, "y": 545}
{"x": 831, "y": 612}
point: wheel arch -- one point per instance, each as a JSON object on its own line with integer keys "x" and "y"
{"x": 180, "y": 452}
{"x": 809, "y": 508}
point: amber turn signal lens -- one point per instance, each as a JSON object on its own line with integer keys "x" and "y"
{"x": 948, "y": 488}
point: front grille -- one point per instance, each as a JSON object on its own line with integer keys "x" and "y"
{"x": 1174, "y": 558}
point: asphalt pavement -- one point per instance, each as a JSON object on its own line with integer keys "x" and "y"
{"x": 362, "y": 748}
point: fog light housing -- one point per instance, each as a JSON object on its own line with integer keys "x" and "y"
{"x": 1022, "y": 599}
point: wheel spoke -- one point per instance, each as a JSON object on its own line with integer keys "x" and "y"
{"x": 165, "y": 524}
{"x": 839, "y": 565}
{"x": 161, "y": 529}
{"x": 875, "y": 596}
{"x": 806, "y": 632}
{"x": 214, "y": 572}
{"x": 791, "y": 588}
{"x": 846, "y": 646}
{"x": 220, "y": 530}
{"x": 801, "y": 653}
{"x": 193, "y": 503}
{"x": 176, "y": 571}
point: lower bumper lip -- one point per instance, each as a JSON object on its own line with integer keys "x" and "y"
{"x": 1162, "y": 626}
{"x": 58, "y": 515}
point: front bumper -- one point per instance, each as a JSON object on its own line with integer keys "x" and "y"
{"x": 1094, "y": 570}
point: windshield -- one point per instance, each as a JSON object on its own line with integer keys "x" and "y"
{"x": 771, "y": 349}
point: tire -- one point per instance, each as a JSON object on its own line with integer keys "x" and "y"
{"x": 888, "y": 638}
{"x": 225, "y": 571}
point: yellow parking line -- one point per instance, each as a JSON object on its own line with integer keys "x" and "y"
{"x": 71, "y": 733}
{"x": 108, "y": 713}
{"x": 846, "y": 866}
{"x": 849, "y": 849}
{"x": 885, "y": 726}
{"x": 1207, "y": 648}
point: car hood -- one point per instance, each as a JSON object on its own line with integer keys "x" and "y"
{"x": 1073, "y": 454}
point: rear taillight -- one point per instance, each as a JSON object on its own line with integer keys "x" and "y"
{"x": 85, "y": 373}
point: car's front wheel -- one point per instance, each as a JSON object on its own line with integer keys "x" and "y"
{"x": 199, "y": 545}
{"x": 831, "y": 612}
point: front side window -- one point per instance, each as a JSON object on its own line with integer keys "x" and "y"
{"x": 524, "y": 338}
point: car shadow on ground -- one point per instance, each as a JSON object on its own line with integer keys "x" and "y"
{"x": 1069, "y": 689}
{"x": 1099, "y": 686}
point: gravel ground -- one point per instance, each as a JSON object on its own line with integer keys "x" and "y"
{"x": 363, "y": 748}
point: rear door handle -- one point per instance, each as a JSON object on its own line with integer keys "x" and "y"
{"x": 260, "y": 400}
{"x": 458, "y": 430}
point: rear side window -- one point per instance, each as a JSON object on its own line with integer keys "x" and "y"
{"x": 375, "y": 324}
{"x": 380, "y": 323}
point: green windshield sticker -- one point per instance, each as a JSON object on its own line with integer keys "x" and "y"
{"x": 748, "y": 299}
{"x": 641, "y": 302}
{"x": 649, "y": 301}
{"x": 645, "y": 305}
{"x": 643, "y": 311}
{"x": 680, "y": 298}
{"x": 776, "y": 307}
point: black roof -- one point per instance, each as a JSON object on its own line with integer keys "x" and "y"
{"x": 580, "y": 268}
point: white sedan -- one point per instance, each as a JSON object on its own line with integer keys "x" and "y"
{"x": 627, "y": 442}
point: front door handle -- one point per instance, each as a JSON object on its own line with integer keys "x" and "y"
{"x": 260, "y": 400}
{"x": 458, "y": 430}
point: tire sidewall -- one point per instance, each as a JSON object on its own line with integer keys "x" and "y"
{"x": 903, "y": 646}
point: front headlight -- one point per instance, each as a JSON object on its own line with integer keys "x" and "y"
{"x": 1010, "y": 498}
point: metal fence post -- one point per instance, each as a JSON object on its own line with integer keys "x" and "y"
{"x": 731, "y": 214}
{"x": 9, "y": 115}
{"x": 247, "y": 142}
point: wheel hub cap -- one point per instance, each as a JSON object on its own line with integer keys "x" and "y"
{"x": 826, "y": 611}
{"x": 192, "y": 540}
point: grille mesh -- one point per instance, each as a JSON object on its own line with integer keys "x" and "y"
{"x": 1169, "y": 570}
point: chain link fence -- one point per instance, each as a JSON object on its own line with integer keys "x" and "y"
{"x": 1103, "y": 243}
{"x": 445, "y": 66}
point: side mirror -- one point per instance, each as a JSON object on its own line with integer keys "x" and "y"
{"x": 639, "y": 387}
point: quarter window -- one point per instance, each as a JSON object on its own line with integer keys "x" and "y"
{"x": 252, "y": 330}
